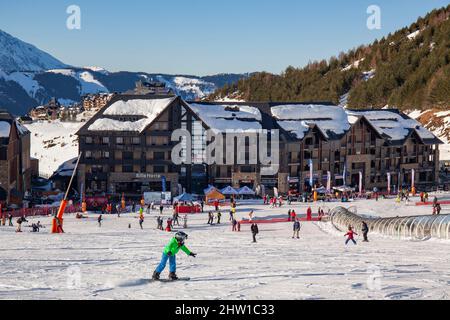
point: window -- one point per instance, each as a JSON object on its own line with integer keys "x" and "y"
{"x": 3, "y": 153}
{"x": 159, "y": 156}
{"x": 89, "y": 140}
{"x": 105, "y": 154}
{"x": 136, "y": 141}
{"x": 88, "y": 154}
{"x": 127, "y": 155}
{"x": 159, "y": 169}
{"x": 119, "y": 140}
{"x": 246, "y": 169}
{"x": 127, "y": 168}
{"x": 105, "y": 140}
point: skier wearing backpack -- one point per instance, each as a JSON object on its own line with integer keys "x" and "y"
{"x": 169, "y": 254}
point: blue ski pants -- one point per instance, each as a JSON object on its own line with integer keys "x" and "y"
{"x": 172, "y": 263}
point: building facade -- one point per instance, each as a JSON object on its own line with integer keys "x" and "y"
{"x": 15, "y": 160}
{"x": 127, "y": 149}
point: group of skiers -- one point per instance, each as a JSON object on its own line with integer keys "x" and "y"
{"x": 274, "y": 202}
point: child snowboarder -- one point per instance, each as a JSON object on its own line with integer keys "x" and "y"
{"x": 255, "y": 231}
{"x": 351, "y": 236}
{"x": 297, "y": 227}
{"x": 141, "y": 221}
{"x": 160, "y": 221}
{"x": 169, "y": 254}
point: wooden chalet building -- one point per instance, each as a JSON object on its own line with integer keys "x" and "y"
{"x": 15, "y": 160}
{"x": 127, "y": 146}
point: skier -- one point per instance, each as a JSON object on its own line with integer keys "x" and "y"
{"x": 175, "y": 219}
{"x": 160, "y": 222}
{"x": 216, "y": 205}
{"x": 185, "y": 221}
{"x": 255, "y": 231}
{"x": 202, "y": 204}
{"x": 297, "y": 227}
{"x": 169, "y": 225}
{"x": 365, "y": 231}
{"x": 234, "y": 224}
{"x": 141, "y": 221}
{"x": 289, "y": 215}
{"x": 99, "y": 220}
{"x": 118, "y": 210}
{"x": 161, "y": 209}
{"x": 133, "y": 207}
{"x": 210, "y": 218}
{"x": 351, "y": 236}
{"x": 10, "y": 217}
{"x": 219, "y": 216}
{"x": 169, "y": 254}
{"x": 19, "y": 223}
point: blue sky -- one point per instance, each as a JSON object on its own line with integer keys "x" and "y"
{"x": 203, "y": 36}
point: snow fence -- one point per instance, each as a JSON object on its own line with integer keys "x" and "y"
{"x": 416, "y": 227}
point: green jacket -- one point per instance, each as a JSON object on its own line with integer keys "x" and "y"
{"x": 173, "y": 247}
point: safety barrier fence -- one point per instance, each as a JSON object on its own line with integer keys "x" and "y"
{"x": 41, "y": 211}
{"x": 416, "y": 227}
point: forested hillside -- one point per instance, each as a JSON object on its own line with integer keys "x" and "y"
{"x": 409, "y": 69}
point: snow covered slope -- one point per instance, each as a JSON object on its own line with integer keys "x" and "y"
{"x": 438, "y": 122}
{"x": 16, "y": 55}
{"x": 114, "y": 262}
{"x": 53, "y": 143}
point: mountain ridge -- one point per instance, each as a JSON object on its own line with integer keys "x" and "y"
{"x": 30, "y": 77}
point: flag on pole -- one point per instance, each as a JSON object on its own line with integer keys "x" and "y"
{"x": 413, "y": 178}
{"x": 344, "y": 175}
{"x": 311, "y": 173}
{"x": 360, "y": 182}
{"x": 389, "y": 182}
{"x": 329, "y": 181}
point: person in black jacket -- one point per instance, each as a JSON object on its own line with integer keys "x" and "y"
{"x": 297, "y": 227}
{"x": 365, "y": 231}
{"x": 255, "y": 231}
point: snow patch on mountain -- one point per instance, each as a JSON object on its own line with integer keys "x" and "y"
{"x": 88, "y": 84}
{"x": 25, "y": 80}
{"x": 16, "y": 55}
{"x": 438, "y": 122}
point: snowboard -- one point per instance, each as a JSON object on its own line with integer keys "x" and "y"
{"x": 169, "y": 280}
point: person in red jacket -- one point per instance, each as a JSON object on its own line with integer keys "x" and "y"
{"x": 309, "y": 214}
{"x": 350, "y": 236}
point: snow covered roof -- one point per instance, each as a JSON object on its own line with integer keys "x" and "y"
{"x": 298, "y": 119}
{"x": 393, "y": 124}
{"x": 228, "y": 117}
{"x": 146, "y": 110}
{"x": 66, "y": 169}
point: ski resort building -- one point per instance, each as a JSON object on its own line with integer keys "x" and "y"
{"x": 15, "y": 160}
{"x": 127, "y": 149}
